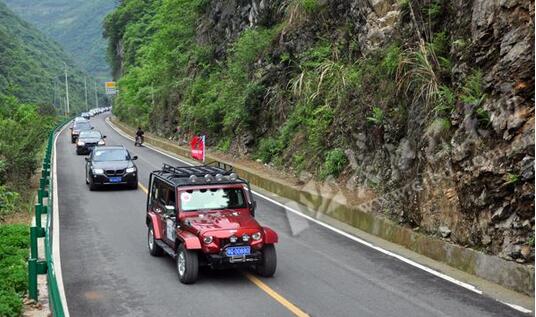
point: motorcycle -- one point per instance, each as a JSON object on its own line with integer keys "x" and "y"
{"x": 139, "y": 140}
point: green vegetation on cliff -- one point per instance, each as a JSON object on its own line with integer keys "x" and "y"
{"x": 383, "y": 95}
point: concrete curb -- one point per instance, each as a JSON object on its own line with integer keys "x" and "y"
{"x": 509, "y": 274}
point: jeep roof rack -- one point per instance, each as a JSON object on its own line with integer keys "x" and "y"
{"x": 200, "y": 174}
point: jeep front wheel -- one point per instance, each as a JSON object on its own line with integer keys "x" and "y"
{"x": 187, "y": 265}
{"x": 268, "y": 264}
{"x": 154, "y": 249}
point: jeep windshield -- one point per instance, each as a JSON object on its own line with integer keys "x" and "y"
{"x": 110, "y": 155}
{"x": 212, "y": 199}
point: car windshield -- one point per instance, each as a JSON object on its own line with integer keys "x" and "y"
{"x": 210, "y": 199}
{"x": 90, "y": 134}
{"x": 82, "y": 125}
{"x": 110, "y": 155}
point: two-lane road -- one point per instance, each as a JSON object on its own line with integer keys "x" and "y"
{"x": 107, "y": 270}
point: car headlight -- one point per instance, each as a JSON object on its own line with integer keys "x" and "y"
{"x": 233, "y": 239}
{"x": 208, "y": 239}
{"x": 131, "y": 170}
{"x": 256, "y": 236}
{"x": 98, "y": 171}
{"x": 101, "y": 142}
{"x": 76, "y": 132}
{"x": 81, "y": 143}
{"x": 245, "y": 238}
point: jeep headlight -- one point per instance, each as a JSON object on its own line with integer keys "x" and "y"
{"x": 81, "y": 143}
{"x": 101, "y": 142}
{"x": 245, "y": 238}
{"x": 131, "y": 170}
{"x": 208, "y": 239}
{"x": 98, "y": 171}
{"x": 256, "y": 236}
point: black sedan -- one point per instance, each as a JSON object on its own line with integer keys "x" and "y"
{"x": 77, "y": 127}
{"x": 111, "y": 165}
{"x": 88, "y": 140}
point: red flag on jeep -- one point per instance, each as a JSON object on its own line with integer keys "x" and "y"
{"x": 198, "y": 147}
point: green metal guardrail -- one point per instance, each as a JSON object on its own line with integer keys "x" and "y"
{"x": 46, "y": 266}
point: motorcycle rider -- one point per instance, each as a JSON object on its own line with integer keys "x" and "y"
{"x": 139, "y": 136}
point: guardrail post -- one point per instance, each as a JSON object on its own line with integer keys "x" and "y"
{"x": 45, "y": 172}
{"x": 33, "y": 242}
{"x": 39, "y": 210}
{"x": 40, "y": 195}
{"x": 43, "y": 182}
{"x": 32, "y": 280}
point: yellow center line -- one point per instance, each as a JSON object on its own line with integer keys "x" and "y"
{"x": 260, "y": 284}
{"x": 143, "y": 187}
{"x": 283, "y": 301}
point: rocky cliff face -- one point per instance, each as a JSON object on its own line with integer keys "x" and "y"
{"x": 431, "y": 102}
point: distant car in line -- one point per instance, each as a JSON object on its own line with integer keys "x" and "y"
{"x": 88, "y": 140}
{"x": 85, "y": 115}
{"x": 78, "y": 126}
{"x": 111, "y": 165}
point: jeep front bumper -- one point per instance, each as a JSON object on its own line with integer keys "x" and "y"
{"x": 224, "y": 261}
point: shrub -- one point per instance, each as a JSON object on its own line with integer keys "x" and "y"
{"x": 392, "y": 59}
{"x": 334, "y": 163}
{"x": 440, "y": 43}
{"x": 8, "y": 201}
{"x": 310, "y": 6}
{"x": 10, "y": 304}
{"x": 472, "y": 90}
{"x": 434, "y": 9}
{"x": 224, "y": 145}
{"x": 298, "y": 162}
{"x": 377, "y": 116}
{"x": 445, "y": 101}
{"x": 268, "y": 149}
{"x": 14, "y": 244}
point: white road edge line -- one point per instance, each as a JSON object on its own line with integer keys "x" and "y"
{"x": 516, "y": 307}
{"x": 336, "y": 230}
{"x": 56, "y": 228}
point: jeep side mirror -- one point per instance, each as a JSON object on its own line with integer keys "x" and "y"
{"x": 92, "y": 128}
{"x": 104, "y": 137}
{"x": 135, "y": 157}
{"x": 87, "y": 159}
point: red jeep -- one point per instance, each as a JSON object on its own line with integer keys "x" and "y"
{"x": 204, "y": 215}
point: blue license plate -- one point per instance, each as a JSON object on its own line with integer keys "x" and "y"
{"x": 116, "y": 179}
{"x": 238, "y": 251}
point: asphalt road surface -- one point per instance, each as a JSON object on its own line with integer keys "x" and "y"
{"x": 107, "y": 270}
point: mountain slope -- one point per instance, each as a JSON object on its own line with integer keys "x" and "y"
{"x": 75, "y": 24}
{"x": 32, "y": 65}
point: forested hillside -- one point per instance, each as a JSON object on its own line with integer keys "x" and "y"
{"x": 429, "y": 101}
{"x": 32, "y": 65}
{"x": 75, "y": 24}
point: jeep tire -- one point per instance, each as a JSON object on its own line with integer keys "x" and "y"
{"x": 154, "y": 249}
{"x": 268, "y": 264}
{"x": 187, "y": 264}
